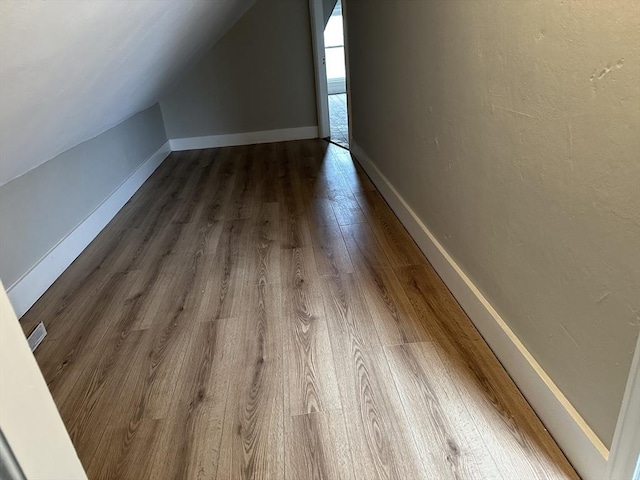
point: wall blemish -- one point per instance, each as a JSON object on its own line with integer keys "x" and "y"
{"x": 569, "y": 335}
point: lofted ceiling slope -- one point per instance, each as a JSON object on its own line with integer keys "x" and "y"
{"x": 72, "y": 69}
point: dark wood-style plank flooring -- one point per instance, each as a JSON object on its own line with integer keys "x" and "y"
{"x": 259, "y": 312}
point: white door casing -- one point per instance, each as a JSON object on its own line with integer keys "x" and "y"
{"x": 29, "y": 418}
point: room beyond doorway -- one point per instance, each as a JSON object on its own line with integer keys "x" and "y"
{"x": 336, "y": 77}
{"x": 338, "y": 119}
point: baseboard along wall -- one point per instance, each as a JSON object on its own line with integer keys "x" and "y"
{"x": 30, "y": 287}
{"x": 579, "y": 443}
{"x": 247, "y": 138}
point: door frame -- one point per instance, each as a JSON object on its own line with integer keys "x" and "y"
{"x": 319, "y": 62}
{"x": 316, "y": 12}
{"x": 347, "y": 64}
{"x": 37, "y": 442}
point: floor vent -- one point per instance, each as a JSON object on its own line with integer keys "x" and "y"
{"x": 36, "y": 336}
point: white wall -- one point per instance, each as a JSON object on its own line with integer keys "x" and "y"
{"x": 258, "y": 77}
{"x": 40, "y": 208}
{"x": 513, "y": 130}
{"x": 72, "y": 69}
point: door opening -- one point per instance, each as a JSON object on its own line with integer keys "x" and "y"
{"x": 334, "y": 52}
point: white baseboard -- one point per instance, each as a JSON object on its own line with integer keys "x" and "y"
{"x": 248, "y": 138}
{"x": 579, "y": 443}
{"x": 30, "y": 287}
{"x": 624, "y": 458}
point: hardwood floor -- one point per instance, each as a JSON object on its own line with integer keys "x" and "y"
{"x": 259, "y": 312}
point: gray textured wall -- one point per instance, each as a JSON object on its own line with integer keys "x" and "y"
{"x": 513, "y": 130}
{"x": 41, "y": 207}
{"x": 259, "y": 76}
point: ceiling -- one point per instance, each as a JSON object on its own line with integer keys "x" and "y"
{"x": 72, "y": 69}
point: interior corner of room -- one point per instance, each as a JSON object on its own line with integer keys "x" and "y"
{"x": 505, "y": 137}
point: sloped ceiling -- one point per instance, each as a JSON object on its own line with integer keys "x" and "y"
{"x": 72, "y": 69}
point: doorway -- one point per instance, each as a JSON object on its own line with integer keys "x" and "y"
{"x": 329, "y": 18}
{"x": 334, "y": 53}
